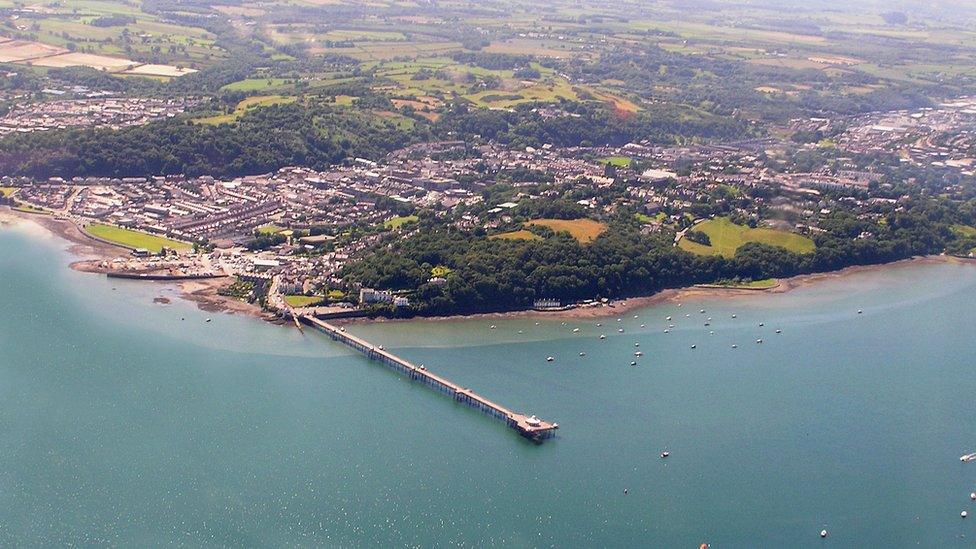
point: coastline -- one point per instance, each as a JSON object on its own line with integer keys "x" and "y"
{"x": 673, "y": 295}
{"x": 89, "y": 252}
{"x": 204, "y": 292}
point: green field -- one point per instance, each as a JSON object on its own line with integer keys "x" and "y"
{"x": 242, "y": 107}
{"x": 617, "y": 161}
{"x": 7, "y": 191}
{"x": 727, "y": 237}
{"x": 303, "y": 300}
{"x": 256, "y": 84}
{"x": 269, "y": 229}
{"x": 133, "y": 239}
{"x": 400, "y": 221}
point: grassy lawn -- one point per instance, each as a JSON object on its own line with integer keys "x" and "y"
{"x": 134, "y": 239}
{"x": 7, "y": 191}
{"x": 303, "y": 300}
{"x": 726, "y": 238}
{"x": 763, "y": 284}
{"x": 644, "y": 218}
{"x": 398, "y": 222}
{"x": 617, "y": 161}
{"x": 269, "y": 229}
{"x": 583, "y": 230}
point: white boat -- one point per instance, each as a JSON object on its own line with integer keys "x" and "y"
{"x": 968, "y": 457}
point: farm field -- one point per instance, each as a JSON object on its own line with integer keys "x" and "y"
{"x": 133, "y": 239}
{"x": 522, "y": 234}
{"x": 727, "y": 237}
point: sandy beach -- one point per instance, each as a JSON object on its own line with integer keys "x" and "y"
{"x": 205, "y": 292}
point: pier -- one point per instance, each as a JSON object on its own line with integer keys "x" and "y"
{"x": 528, "y": 426}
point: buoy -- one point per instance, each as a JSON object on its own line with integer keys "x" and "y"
{"x": 972, "y": 496}
{"x": 823, "y": 533}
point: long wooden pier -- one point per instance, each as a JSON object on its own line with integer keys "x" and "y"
{"x": 528, "y": 426}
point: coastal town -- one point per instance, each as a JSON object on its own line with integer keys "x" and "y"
{"x": 282, "y": 239}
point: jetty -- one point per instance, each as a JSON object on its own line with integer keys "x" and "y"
{"x": 528, "y": 426}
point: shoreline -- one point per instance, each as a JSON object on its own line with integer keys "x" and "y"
{"x": 204, "y": 292}
{"x": 89, "y": 251}
{"x": 673, "y": 295}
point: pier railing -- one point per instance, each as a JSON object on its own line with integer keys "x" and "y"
{"x": 528, "y": 426}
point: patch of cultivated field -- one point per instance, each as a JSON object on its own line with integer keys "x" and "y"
{"x": 583, "y": 230}
{"x": 75, "y": 59}
{"x": 726, "y": 237}
{"x": 516, "y": 235}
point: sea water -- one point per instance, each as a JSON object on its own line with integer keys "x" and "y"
{"x": 125, "y": 421}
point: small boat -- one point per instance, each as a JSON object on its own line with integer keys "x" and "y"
{"x": 621, "y": 330}
{"x": 694, "y": 346}
{"x": 636, "y": 344}
{"x": 761, "y": 324}
{"x": 643, "y": 326}
{"x": 599, "y": 324}
{"x": 735, "y": 346}
{"x": 638, "y": 354}
{"x": 520, "y": 331}
{"x": 667, "y": 331}
{"x": 665, "y": 454}
{"x": 492, "y": 327}
{"x": 209, "y": 320}
{"x": 734, "y": 316}
{"x": 779, "y": 331}
{"x": 618, "y": 320}
{"x": 550, "y": 359}
{"x": 582, "y": 354}
{"x": 575, "y": 330}
{"x": 759, "y": 341}
{"x": 708, "y": 324}
{"x": 964, "y": 514}
{"x": 709, "y": 319}
{"x": 633, "y": 363}
{"x": 603, "y": 336}
{"x": 968, "y": 457}
{"x": 702, "y": 311}
{"x": 859, "y": 311}
{"x": 668, "y": 319}
{"x": 635, "y": 316}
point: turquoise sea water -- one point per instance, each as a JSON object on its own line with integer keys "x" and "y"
{"x": 127, "y": 422}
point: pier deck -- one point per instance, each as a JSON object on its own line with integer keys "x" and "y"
{"x": 528, "y": 426}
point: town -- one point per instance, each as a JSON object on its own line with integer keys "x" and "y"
{"x": 286, "y": 236}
